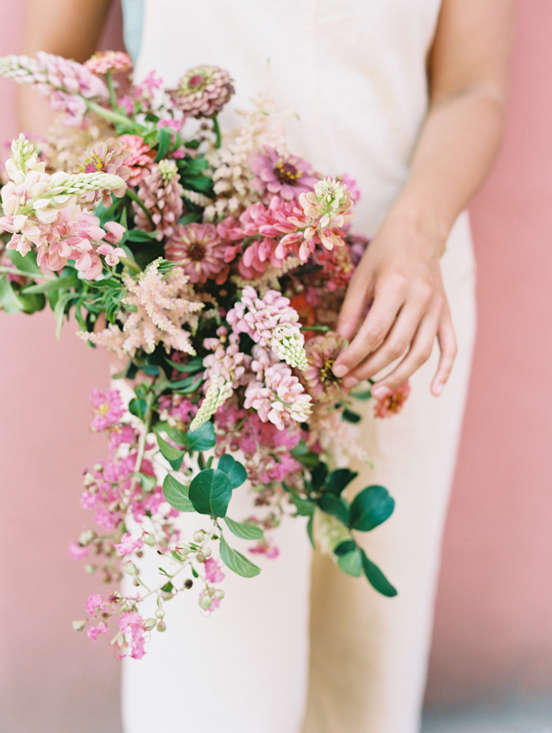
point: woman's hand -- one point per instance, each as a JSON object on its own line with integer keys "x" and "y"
{"x": 399, "y": 277}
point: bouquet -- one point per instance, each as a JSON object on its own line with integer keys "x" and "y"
{"x": 213, "y": 267}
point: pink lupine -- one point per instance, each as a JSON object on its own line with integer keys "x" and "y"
{"x": 161, "y": 193}
{"x": 280, "y": 398}
{"x": 284, "y": 175}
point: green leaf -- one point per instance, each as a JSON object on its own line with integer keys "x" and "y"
{"x": 237, "y": 562}
{"x": 173, "y": 455}
{"x": 59, "y": 310}
{"x": 363, "y": 395}
{"x": 244, "y": 531}
{"x": 164, "y": 139}
{"x": 210, "y": 492}
{"x": 168, "y": 587}
{"x": 26, "y": 263}
{"x": 370, "y": 508}
{"x": 177, "y": 494}
{"x": 305, "y": 508}
{"x": 138, "y": 408}
{"x": 50, "y": 286}
{"x": 376, "y": 578}
{"x": 9, "y": 302}
{"x": 350, "y": 416}
{"x": 310, "y": 531}
{"x": 176, "y": 435}
{"x": 203, "y": 438}
{"x": 233, "y": 469}
{"x": 338, "y": 480}
{"x": 188, "y": 385}
{"x": 138, "y": 235}
{"x": 344, "y": 548}
{"x": 318, "y": 475}
{"x": 304, "y": 456}
{"x": 148, "y": 482}
{"x": 351, "y": 563}
{"x": 190, "y": 367}
{"x": 335, "y": 506}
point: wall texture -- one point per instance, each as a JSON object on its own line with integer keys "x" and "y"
{"x": 493, "y": 633}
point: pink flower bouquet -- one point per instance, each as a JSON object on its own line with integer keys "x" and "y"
{"x": 214, "y": 269}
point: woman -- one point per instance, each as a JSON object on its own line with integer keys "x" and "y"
{"x": 408, "y": 97}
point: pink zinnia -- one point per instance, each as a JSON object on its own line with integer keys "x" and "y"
{"x": 322, "y": 351}
{"x": 202, "y": 91}
{"x": 199, "y": 250}
{"x": 284, "y": 175}
{"x": 104, "y": 62}
{"x": 393, "y": 402}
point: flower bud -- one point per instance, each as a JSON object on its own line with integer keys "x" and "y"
{"x": 149, "y": 624}
{"x": 218, "y": 594}
{"x": 160, "y": 613}
{"x": 188, "y": 583}
{"x": 86, "y": 537}
{"x": 199, "y": 536}
{"x": 207, "y": 552}
{"x": 205, "y": 602}
{"x": 166, "y": 595}
{"x": 161, "y": 626}
{"x": 149, "y": 539}
{"x": 90, "y": 569}
{"x": 79, "y": 625}
{"x": 98, "y": 467}
{"x": 130, "y": 568}
{"x": 200, "y": 557}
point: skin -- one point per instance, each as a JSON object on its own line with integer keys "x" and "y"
{"x": 400, "y": 273}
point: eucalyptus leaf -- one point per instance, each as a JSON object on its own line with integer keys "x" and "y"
{"x": 370, "y": 508}
{"x": 233, "y": 469}
{"x": 335, "y": 506}
{"x": 351, "y": 563}
{"x": 203, "y": 438}
{"x": 210, "y": 492}
{"x": 376, "y": 578}
{"x": 338, "y": 480}
{"x": 244, "y": 531}
{"x": 237, "y": 562}
{"x": 177, "y": 494}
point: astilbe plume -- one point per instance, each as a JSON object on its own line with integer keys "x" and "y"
{"x": 160, "y": 192}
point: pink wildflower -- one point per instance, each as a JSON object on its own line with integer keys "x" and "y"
{"x": 198, "y": 249}
{"x": 140, "y": 160}
{"x": 264, "y": 548}
{"x": 337, "y": 266}
{"x": 287, "y": 175}
{"x": 94, "y": 631}
{"x": 106, "y": 156}
{"x": 104, "y": 62}
{"x": 94, "y": 604}
{"x": 213, "y": 572}
{"x": 280, "y": 399}
{"x": 76, "y": 551}
{"x": 132, "y": 625}
{"x": 161, "y": 193}
{"x": 108, "y": 408}
{"x": 121, "y": 435}
{"x": 128, "y": 545}
{"x": 392, "y": 403}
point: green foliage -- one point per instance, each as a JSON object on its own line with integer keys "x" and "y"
{"x": 244, "y": 531}
{"x": 370, "y": 508}
{"x": 304, "y": 456}
{"x": 335, "y": 506}
{"x": 210, "y": 492}
{"x": 350, "y": 416}
{"x": 345, "y": 548}
{"x": 138, "y": 408}
{"x": 351, "y": 563}
{"x": 177, "y": 494}
{"x": 174, "y": 456}
{"x": 305, "y": 508}
{"x": 338, "y": 480}
{"x": 163, "y": 143}
{"x": 203, "y": 438}
{"x": 237, "y": 562}
{"x": 233, "y": 469}
{"x": 376, "y": 578}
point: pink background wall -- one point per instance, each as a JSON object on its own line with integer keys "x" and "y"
{"x": 493, "y": 633}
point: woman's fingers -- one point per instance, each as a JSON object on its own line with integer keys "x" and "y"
{"x": 395, "y": 345}
{"x": 387, "y": 302}
{"x": 419, "y": 352}
{"x": 448, "y": 347}
{"x": 353, "y": 307}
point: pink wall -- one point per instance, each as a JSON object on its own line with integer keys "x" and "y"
{"x": 493, "y": 626}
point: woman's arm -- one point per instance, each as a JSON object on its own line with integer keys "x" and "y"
{"x": 70, "y": 28}
{"x": 400, "y": 272}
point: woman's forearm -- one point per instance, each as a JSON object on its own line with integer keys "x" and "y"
{"x": 455, "y": 151}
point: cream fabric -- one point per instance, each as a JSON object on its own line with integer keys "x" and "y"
{"x": 354, "y": 71}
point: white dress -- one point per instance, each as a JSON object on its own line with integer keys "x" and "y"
{"x": 355, "y": 72}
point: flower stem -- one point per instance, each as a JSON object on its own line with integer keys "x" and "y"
{"x": 218, "y": 136}
{"x": 117, "y": 117}
{"x": 142, "y": 442}
{"x": 29, "y": 275}
{"x": 131, "y": 194}
{"x": 111, "y": 90}
{"x": 324, "y": 329}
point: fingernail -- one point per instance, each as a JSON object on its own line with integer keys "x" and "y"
{"x": 350, "y": 382}
{"x": 437, "y": 389}
{"x": 340, "y": 370}
{"x": 380, "y": 392}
